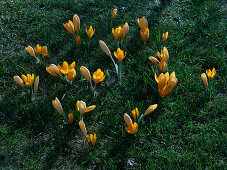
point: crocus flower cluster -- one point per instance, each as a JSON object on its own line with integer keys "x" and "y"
{"x": 39, "y": 50}
{"x": 144, "y": 30}
{"x": 210, "y": 74}
{"x": 120, "y": 32}
{"x": 91, "y": 138}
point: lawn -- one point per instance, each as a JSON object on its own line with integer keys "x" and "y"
{"x": 187, "y": 130}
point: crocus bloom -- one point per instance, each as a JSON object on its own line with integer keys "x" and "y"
{"x": 44, "y": 51}
{"x": 204, "y": 78}
{"x": 211, "y": 74}
{"x": 28, "y": 80}
{"x": 76, "y": 21}
{"x": 90, "y": 32}
{"x": 92, "y": 139}
{"x": 135, "y": 113}
{"x": 144, "y": 33}
{"x": 53, "y": 70}
{"x": 114, "y": 13}
{"x": 165, "y": 36}
{"x": 71, "y": 75}
{"x": 98, "y": 76}
{"x": 83, "y": 127}
{"x": 19, "y": 81}
{"x": 150, "y": 109}
{"x": 65, "y": 67}
{"x": 36, "y": 84}
{"x": 57, "y": 105}
{"x": 78, "y": 41}
{"x": 117, "y": 33}
{"x": 132, "y": 128}
{"x": 166, "y": 83}
{"x": 154, "y": 60}
{"x": 70, "y": 117}
{"x": 104, "y": 47}
{"x": 30, "y": 50}
{"x": 69, "y": 27}
{"x": 164, "y": 55}
{"x": 38, "y": 49}
{"x": 125, "y": 30}
{"x": 119, "y": 54}
{"x": 142, "y": 23}
{"x": 82, "y": 108}
{"x": 86, "y": 73}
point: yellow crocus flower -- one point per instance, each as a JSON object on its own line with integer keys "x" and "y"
{"x": 83, "y": 127}
{"x": 135, "y": 113}
{"x": 132, "y": 128}
{"x": 71, "y": 75}
{"x": 44, "y": 51}
{"x": 114, "y": 13}
{"x": 119, "y": 54}
{"x": 30, "y": 50}
{"x": 78, "y": 41}
{"x": 76, "y": 21}
{"x": 166, "y": 83}
{"x": 117, "y": 33}
{"x": 69, "y": 27}
{"x": 211, "y": 74}
{"x": 86, "y": 73}
{"x": 142, "y": 23}
{"x": 204, "y": 78}
{"x": 165, "y": 36}
{"x": 92, "y": 139}
{"x": 65, "y": 67}
{"x": 104, "y": 47}
{"x": 53, "y": 70}
{"x": 125, "y": 30}
{"x": 90, "y": 32}
{"x": 144, "y": 33}
{"x": 150, "y": 109}
{"x": 28, "y": 80}
{"x": 82, "y": 108}
{"x": 36, "y": 84}
{"x": 57, "y": 105}
{"x": 98, "y": 76}
{"x": 19, "y": 81}
{"x": 38, "y": 49}
{"x": 70, "y": 117}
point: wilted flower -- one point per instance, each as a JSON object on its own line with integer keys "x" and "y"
{"x": 92, "y": 139}
{"x": 119, "y": 54}
{"x": 65, "y": 67}
{"x": 69, "y": 27}
{"x": 132, "y": 128}
{"x": 70, "y": 117}
{"x": 57, "y": 105}
{"x": 78, "y": 41}
{"x": 142, "y": 23}
{"x": 150, "y": 109}
{"x": 135, "y": 113}
{"x": 144, "y": 33}
{"x": 166, "y": 83}
{"x": 53, "y": 70}
{"x": 30, "y": 50}
{"x": 165, "y": 36}
{"x": 104, "y": 47}
{"x": 117, "y": 33}
{"x": 204, "y": 78}
{"x": 114, "y": 13}
{"x": 71, "y": 75}
{"x": 76, "y": 21}
{"x": 83, "y": 128}
{"x": 98, "y": 76}
{"x": 125, "y": 30}
{"x": 19, "y": 81}
{"x": 82, "y": 108}
{"x": 86, "y": 73}
{"x": 28, "y": 80}
{"x": 36, "y": 84}
{"x": 90, "y": 32}
{"x": 211, "y": 74}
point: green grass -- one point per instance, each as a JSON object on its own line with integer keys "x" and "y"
{"x": 186, "y": 131}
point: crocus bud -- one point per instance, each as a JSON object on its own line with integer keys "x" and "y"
{"x": 44, "y": 51}
{"x": 70, "y": 117}
{"x": 150, "y": 109}
{"x": 82, "y": 107}
{"x": 57, "y": 105}
{"x": 104, "y": 47}
{"x": 36, "y": 84}
{"x": 125, "y": 30}
{"x": 90, "y": 32}
{"x": 165, "y": 36}
{"x": 78, "y": 41}
{"x": 127, "y": 119}
{"x": 144, "y": 33}
{"x": 135, "y": 113}
{"x": 86, "y": 73}
{"x": 38, "y": 49}
{"x": 163, "y": 66}
{"x": 30, "y": 50}
{"x": 83, "y": 127}
{"x": 154, "y": 60}
{"x": 114, "y": 13}
{"x": 204, "y": 78}
{"x": 143, "y": 23}
{"x": 69, "y": 27}
{"x": 53, "y": 70}
{"x": 19, "y": 81}
{"x": 76, "y": 21}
